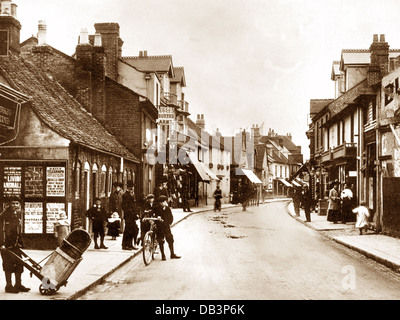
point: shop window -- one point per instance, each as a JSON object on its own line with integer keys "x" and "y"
{"x": 42, "y": 189}
{"x": 103, "y": 175}
{"x": 109, "y": 181}
{"x": 95, "y": 182}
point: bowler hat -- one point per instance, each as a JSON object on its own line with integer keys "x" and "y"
{"x": 162, "y": 198}
{"x": 150, "y": 196}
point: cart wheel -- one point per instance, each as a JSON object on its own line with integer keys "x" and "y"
{"x": 46, "y": 292}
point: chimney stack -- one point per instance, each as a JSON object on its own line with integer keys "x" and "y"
{"x": 379, "y": 65}
{"x": 200, "y": 121}
{"x": 10, "y": 28}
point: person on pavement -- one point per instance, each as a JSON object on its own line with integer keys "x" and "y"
{"x": 163, "y": 211}
{"x": 334, "y": 204}
{"x": 10, "y": 240}
{"x": 362, "y": 213}
{"x": 130, "y": 209}
{"x": 347, "y": 196}
{"x": 98, "y": 215}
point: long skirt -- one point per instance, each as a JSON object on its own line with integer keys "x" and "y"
{"x": 333, "y": 215}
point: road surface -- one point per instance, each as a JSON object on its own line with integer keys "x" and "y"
{"x": 260, "y": 254}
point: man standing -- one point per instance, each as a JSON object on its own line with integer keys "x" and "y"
{"x": 164, "y": 227}
{"x": 98, "y": 216}
{"x": 161, "y": 190}
{"x": 130, "y": 216}
{"x": 306, "y": 200}
{"x": 217, "y": 196}
{"x": 10, "y": 239}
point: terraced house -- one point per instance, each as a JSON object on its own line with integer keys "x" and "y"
{"x": 353, "y": 137}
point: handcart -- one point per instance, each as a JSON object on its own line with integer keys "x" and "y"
{"x": 60, "y": 263}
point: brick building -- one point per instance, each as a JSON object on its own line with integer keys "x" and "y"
{"x": 56, "y": 153}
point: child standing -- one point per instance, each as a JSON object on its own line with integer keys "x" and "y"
{"x": 114, "y": 226}
{"x": 362, "y": 213}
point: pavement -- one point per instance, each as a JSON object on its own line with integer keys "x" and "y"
{"x": 381, "y": 248}
{"x": 97, "y": 265}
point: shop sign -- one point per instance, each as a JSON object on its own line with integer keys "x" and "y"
{"x": 166, "y": 114}
{"x": 8, "y": 113}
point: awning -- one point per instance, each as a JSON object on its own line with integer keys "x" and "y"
{"x": 287, "y": 184}
{"x": 295, "y": 183}
{"x": 249, "y": 174}
{"x": 204, "y": 172}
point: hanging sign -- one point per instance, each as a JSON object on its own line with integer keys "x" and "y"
{"x": 8, "y": 113}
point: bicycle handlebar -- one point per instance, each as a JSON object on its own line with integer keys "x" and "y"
{"x": 151, "y": 219}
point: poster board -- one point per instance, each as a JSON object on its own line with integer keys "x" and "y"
{"x": 52, "y": 213}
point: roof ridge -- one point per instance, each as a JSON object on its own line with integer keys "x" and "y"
{"x": 148, "y": 57}
{"x": 354, "y": 50}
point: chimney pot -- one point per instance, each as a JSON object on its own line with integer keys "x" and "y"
{"x": 145, "y": 53}
{"x": 140, "y": 54}
{"x": 97, "y": 40}
{"x": 375, "y": 39}
{"x": 84, "y": 36}
{"x": 42, "y": 31}
{"x": 382, "y": 38}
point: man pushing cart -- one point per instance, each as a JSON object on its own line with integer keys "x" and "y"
{"x": 59, "y": 265}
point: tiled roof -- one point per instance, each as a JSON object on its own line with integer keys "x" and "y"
{"x": 362, "y": 56}
{"x": 151, "y": 63}
{"x": 179, "y": 76}
{"x": 201, "y": 134}
{"x": 59, "y": 110}
{"x": 316, "y": 105}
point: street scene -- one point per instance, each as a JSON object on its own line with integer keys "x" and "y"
{"x": 156, "y": 151}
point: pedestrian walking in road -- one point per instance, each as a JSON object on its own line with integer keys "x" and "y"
{"x": 347, "y": 201}
{"x": 114, "y": 226}
{"x": 362, "y": 213}
{"x": 130, "y": 210}
{"x": 334, "y": 204}
{"x": 164, "y": 212}
{"x": 306, "y": 200}
{"x": 10, "y": 239}
{"x": 98, "y": 216}
{"x": 217, "y": 196}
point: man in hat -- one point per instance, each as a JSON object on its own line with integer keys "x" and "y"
{"x": 148, "y": 212}
{"x": 116, "y": 199}
{"x": 130, "y": 209}
{"x": 164, "y": 227}
{"x": 10, "y": 239}
{"x": 161, "y": 190}
{"x": 98, "y": 216}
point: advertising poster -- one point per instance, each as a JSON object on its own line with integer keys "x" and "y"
{"x": 55, "y": 181}
{"x": 12, "y": 181}
{"x": 52, "y": 213}
{"x": 33, "y": 218}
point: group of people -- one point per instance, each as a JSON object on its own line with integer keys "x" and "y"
{"x": 154, "y": 205}
{"x": 343, "y": 208}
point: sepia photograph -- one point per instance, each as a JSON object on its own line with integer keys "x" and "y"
{"x": 205, "y": 156}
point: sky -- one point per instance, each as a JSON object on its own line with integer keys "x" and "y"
{"x": 246, "y": 62}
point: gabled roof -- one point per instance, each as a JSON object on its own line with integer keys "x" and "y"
{"x": 335, "y": 70}
{"x": 160, "y": 64}
{"x": 59, "y": 110}
{"x": 179, "y": 76}
{"x": 202, "y": 134}
{"x": 316, "y": 105}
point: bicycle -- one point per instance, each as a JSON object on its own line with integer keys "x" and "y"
{"x": 150, "y": 241}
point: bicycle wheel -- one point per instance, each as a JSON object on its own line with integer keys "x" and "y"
{"x": 148, "y": 248}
